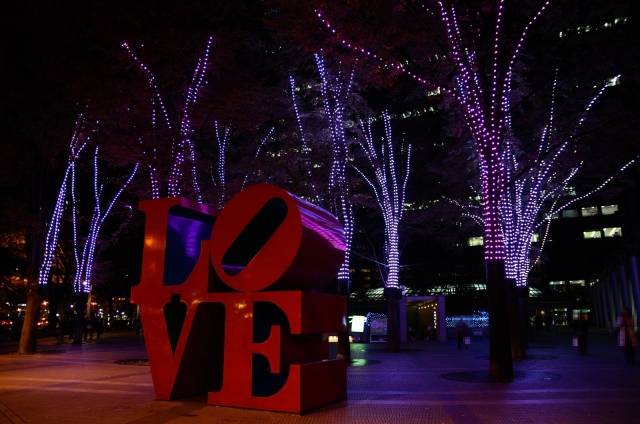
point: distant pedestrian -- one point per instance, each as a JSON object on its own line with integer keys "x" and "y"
{"x": 461, "y": 331}
{"x": 91, "y": 326}
{"x": 581, "y": 328}
{"x": 138, "y": 326}
{"x": 72, "y": 326}
{"x": 97, "y": 323}
{"x": 16, "y": 328}
{"x": 538, "y": 321}
{"x": 86, "y": 323}
{"x": 548, "y": 322}
{"x": 627, "y": 335}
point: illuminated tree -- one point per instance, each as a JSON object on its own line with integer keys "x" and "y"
{"x": 78, "y": 142}
{"x": 535, "y": 190}
{"x": 85, "y": 253}
{"x": 335, "y": 91}
{"x": 183, "y": 149}
{"x": 28, "y": 336}
{"x": 389, "y": 188}
{"x": 222, "y": 141}
{"x": 85, "y": 257}
{"x": 482, "y": 86}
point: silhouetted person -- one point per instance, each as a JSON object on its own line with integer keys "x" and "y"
{"x": 538, "y": 321}
{"x": 627, "y": 335}
{"x": 461, "y": 331}
{"x": 16, "y": 328}
{"x": 72, "y": 326}
{"x": 581, "y": 328}
{"x": 86, "y": 326}
{"x": 548, "y": 322}
{"x": 97, "y": 324}
{"x": 138, "y": 326}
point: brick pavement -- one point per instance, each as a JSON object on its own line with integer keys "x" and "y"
{"x": 63, "y": 384}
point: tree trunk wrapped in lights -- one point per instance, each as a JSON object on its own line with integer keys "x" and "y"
{"x": 85, "y": 257}
{"x": 389, "y": 189}
{"x": 29, "y": 328}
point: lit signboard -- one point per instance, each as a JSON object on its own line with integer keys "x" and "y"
{"x": 378, "y": 326}
{"x": 357, "y": 324}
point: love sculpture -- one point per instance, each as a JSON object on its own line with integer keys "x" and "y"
{"x": 229, "y": 301}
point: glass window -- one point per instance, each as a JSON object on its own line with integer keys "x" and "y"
{"x": 592, "y": 234}
{"x": 555, "y": 216}
{"x": 612, "y": 232}
{"x": 590, "y": 211}
{"x": 475, "y": 241}
{"x": 535, "y": 237}
{"x": 609, "y": 210}
{"x": 556, "y": 283}
{"x": 577, "y": 282}
{"x": 570, "y": 213}
{"x": 577, "y": 312}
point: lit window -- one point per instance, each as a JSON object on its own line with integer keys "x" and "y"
{"x": 577, "y": 312}
{"x": 570, "y": 213}
{"x": 556, "y": 283}
{"x": 591, "y": 211}
{"x": 609, "y": 210}
{"x": 612, "y": 232}
{"x": 592, "y": 234}
{"x": 555, "y": 216}
{"x": 475, "y": 241}
{"x": 570, "y": 191}
{"x": 577, "y": 282}
{"x": 365, "y": 270}
{"x": 535, "y": 237}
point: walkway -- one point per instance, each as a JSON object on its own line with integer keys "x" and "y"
{"x": 63, "y": 384}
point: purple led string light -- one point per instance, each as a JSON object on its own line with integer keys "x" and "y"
{"x": 184, "y": 149}
{"x": 223, "y": 143}
{"x": 258, "y": 150}
{"x": 51, "y": 240}
{"x": 333, "y": 93}
{"x": 395, "y": 65}
{"x": 85, "y": 261}
{"x": 524, "y": 207}
{"x": 487, "y": 126}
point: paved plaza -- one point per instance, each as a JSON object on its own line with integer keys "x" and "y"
{"x": 428, "y": 382}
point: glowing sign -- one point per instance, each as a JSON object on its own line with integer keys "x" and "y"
{"x": 357, "y": 323}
